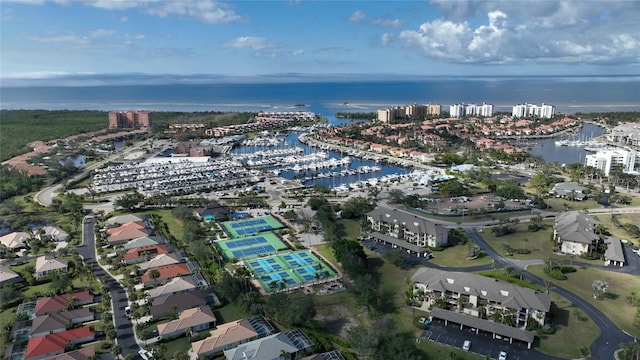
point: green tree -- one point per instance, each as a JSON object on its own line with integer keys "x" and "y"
{"x": 396, "y": 196}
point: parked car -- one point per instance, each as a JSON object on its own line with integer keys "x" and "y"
{"x": 145, "y": 355}
{"x": 467, "y": 345}
{"x": 502, "y": 355}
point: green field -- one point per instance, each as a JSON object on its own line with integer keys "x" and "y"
{"x": 538, "y": 242}
{"x": 605, "y": 220}
{"x": 614, "y": 305}
{"x": 456, "y": 256}
{"x": 20, "y": 127}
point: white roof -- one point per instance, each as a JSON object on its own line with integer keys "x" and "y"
{"x": 15, "y": 239}
{"x": 7, "y": 274}
{"x": 49, "y": 263}
{"x": 177, "y": 284}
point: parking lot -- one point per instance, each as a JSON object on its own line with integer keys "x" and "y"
{"x": 481, "y": 344}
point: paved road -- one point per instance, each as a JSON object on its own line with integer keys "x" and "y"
{"x": 610, "y": 336}
{"x": 126, "y": 336}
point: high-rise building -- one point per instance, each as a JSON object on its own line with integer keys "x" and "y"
{"x": 460, "y": 110}
{"x": 129, "y": 119}
{"x": 531, "y": 110}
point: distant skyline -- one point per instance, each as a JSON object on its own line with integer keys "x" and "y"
{"x": 114, "y": 41}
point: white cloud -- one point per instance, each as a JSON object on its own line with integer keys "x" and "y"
{"x": 568, "y": 34}
{"x": 394, "y": 23}
{"x": 60, "y": 38}
{"x": 253, "y": 42}
{"x": 386, "y": 39}
{"x": 124, "y": 19}
{"x": 357, "y": 16}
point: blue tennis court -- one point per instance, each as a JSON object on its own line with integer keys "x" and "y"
{"x": 248, "y": 223}
{"x": 299, "y": 259}
{"x": 248, "y": 227}
{"x": 253, "y": 251}
{"x": 246, "y": 242}
{"x": 264, "y": 266}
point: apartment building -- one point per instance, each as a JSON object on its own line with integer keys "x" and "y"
{"x": 626, "y": 134}
{"x": 406, "y": 230}
{"x": 460, "y": 110}
{"x": 531, "y": 110}
{"x": 410, "y": 112}
{"x": 481, "y": 303}
{"x": 129, "y": 119}
{"x": 605, "y": 160}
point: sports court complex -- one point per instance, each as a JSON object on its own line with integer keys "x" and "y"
{"x": 252, "y": 226}
{"x": 291, "y": 268}
{"x": 249, "y": 247}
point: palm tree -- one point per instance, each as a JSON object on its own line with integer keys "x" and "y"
{"x": 154, "y": 274}
{"x": 71, "y": 302}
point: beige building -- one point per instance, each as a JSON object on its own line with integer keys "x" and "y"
{"x": 129, "y": 119}
{"x": 47, "y": 263}
{"x": 190, "y": 320}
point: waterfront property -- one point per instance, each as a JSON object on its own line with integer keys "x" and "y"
{"x": 481, "y": 303}
{"x": 406, "y": 230}
{"x": 251, "y": 247}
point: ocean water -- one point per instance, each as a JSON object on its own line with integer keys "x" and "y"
{"x": 569, "y": 95}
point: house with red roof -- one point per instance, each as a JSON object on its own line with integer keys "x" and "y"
{"x": 55, "y": 344}
{"x": 166, "y": 273}
{"x": 126, "y": 232}
{"x": 57, "y": 303}
{"x": 143, "y": 253}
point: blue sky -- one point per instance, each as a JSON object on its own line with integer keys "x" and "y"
{"x": 80, "y": 39}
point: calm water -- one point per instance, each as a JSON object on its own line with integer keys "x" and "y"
{"x": 550, "y": 152}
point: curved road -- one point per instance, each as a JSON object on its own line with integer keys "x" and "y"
{"x": 126, "y": 336}
{"x": 610, "y": 335}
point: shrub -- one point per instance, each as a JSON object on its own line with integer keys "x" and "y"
{"x": 547, "y": 330}
{"x": 568, "y": 269}
{"x": 557, "y": 274}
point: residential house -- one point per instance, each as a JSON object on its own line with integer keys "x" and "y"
{"x": 214, "y": 212}
{"x": 191, "y": 320}
{"x": 271, "y": 347}
{"x": 47, "y": 263}
{"x": 568, "y": 191}
{"x": 15, "y": 240}
{"x": 229, "y": 335}
{"x": 165, "y": 274}
{"x": 174, "y": 286}
{"x": 174, "y": 304}
{"x": 126, "y": 232}
{"x": 51, "y": 345}
{"x": 330, "y": 355}
{"x": 8, "y": 276}
{"x": 574, "y": 232}
{"x": 59, "y": 302}
{"x": 467, "y": 298}
{"x": 143, "y": 253}
{"x": 145, "y": 241}
{"x": 123, "y": 219}
{"x": 84, "y": 353}
{"x": 52, "y": 233}
{"x": 159, "y": 260}
{"x": 409, "y": 231}
{"x": 60, "y": 321}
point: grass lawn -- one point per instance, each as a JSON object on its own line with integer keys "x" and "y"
{"x": 326, "y": 251}
{"x": 538, "y": 242}
{"x": 230, "y": 312}
{"x": 557, "y": 204}
{"x": 7, "y": 317}
{"x": 614, "y": 306}
{"x": 605, "y": 220}
{"x": 352, "y": 228}
{"x": 574, "y": 330}
{"x": 175, "y": 227}
{"x": 178, "y": 345}
{"x": 37, "y": 290}
{"x": 456, "y": 256}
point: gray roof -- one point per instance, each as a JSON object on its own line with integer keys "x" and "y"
{"x": 565, "y": 188}
{"x": 576, "y": 226}
{"x": 175, "y": 285}
{"x": 162, "y": 306}
{"x": 8, "y": 275}
{"x": 50, "y": 322}
{"x": 144, "y": 241}
{"x": 614, "y": 249}
{"x": 485, "y": 325}
{"x": 401, "y": 243}
{"x": 413, "y": 222}
{"x": 504, "y": 293}
{"x": 331, "y": 355}
{"x": 269, "y": 347}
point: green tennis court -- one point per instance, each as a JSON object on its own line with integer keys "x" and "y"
{"x": 288, "y": 269}
{"x": 252, "y": 226}
{"x": 251, "y": 246}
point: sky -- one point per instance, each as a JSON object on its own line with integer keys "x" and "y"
{"x": 206, "y": 39}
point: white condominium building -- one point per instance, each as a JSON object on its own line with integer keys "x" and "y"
{"x": 460, "y": 110}
{"x": 607, "y": 159}
{"x": 533, "y": 110}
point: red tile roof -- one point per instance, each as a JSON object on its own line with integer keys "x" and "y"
{"x": 54, "y": 343}
{"x": 59, "y": 302}
{"x": 166, "y": 272}
{"x": 150, "y": 249}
